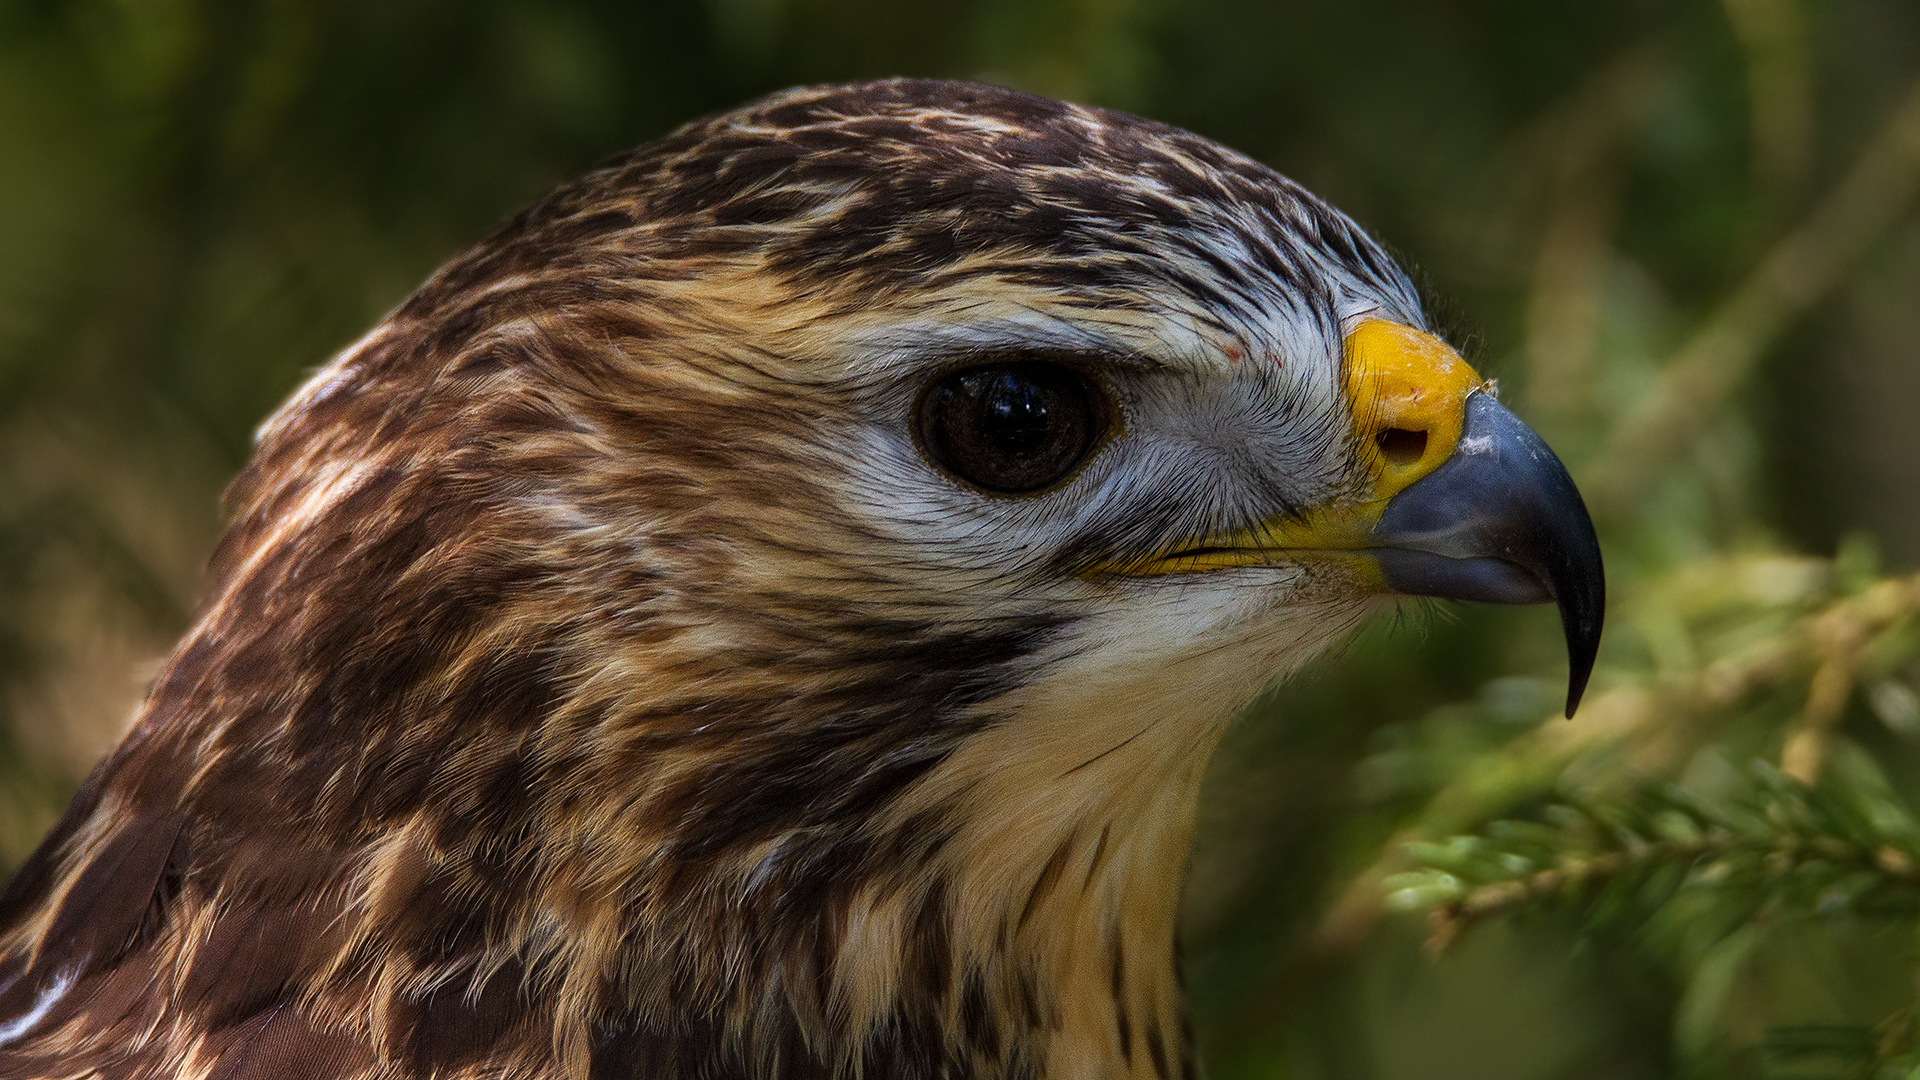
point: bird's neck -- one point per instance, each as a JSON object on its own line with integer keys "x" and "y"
{"x": 1073, "y": 918}
{"x": 1010, "y": 914}
{"x": 1062, "y": 881}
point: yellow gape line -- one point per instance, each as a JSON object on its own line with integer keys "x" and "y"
{"x": 1408, "y": 392}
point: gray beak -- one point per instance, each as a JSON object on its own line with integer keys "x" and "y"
{"x": 1500, "y": 522}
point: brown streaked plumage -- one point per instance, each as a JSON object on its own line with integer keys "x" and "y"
{"x": 601, "y": 678}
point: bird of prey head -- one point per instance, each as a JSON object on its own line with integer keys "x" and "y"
{"x": 765, "y": 612}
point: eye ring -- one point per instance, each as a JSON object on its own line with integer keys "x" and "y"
{"x": 1012, "y": 426}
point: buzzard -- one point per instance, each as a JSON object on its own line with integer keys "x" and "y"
{"x": 765, "y": 612}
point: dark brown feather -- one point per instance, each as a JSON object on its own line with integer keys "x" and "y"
{"x": 114, "y": 895}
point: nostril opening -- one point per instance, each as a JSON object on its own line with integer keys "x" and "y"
{"x": 1402, "y": 446}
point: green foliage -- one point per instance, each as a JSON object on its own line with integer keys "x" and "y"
{"x": 1768, "y": 912}
{"x": 1652, "y": 821}
{"x": 1700, "y": 887}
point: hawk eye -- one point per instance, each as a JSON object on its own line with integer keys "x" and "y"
{"x": 1015, "y": 427}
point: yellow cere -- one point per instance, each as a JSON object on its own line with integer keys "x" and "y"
{"x": 1409, "y": 393}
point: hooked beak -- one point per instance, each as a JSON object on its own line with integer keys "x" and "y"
{"x": 1465, "y": 501}
{"x": 1474, "y": 506}
{"x": 1500, "y": 521}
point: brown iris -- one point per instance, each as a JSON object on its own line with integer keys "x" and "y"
{"x": 1016, "y": 427}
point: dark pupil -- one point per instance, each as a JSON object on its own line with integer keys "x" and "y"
{"x": 1014, "y": 415}
{"x": 1014, "y": 427}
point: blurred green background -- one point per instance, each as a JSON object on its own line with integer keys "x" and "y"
{"x": 1681, "y": 233}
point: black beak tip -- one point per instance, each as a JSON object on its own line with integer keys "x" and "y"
{"x": 1570, "y": 561}
{"x": 1501, "y": 522}
{"x": 1583, "y": 645}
